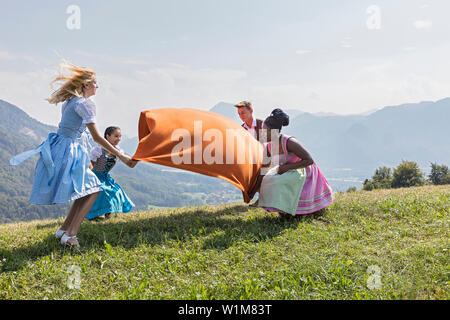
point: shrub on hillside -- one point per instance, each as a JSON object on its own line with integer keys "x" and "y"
{"x": 439, "y": 175}
{"x": 407, "y": 174}
{"x": 382, "y": 179}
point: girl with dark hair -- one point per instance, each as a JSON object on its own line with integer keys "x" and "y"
{"x": 112, "y": 199}
{"x": 292, "y": 183}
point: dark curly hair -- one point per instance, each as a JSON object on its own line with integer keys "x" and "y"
{"x": 277, "y": 119}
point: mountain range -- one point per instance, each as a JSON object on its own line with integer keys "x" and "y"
{"x": 351, "y": 147}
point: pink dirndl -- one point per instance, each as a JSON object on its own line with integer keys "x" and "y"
{"x": 316, "y": 193}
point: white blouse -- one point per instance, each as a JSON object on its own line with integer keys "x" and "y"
{"x": 97, "y": 151}
{"x": 86, "y": 109}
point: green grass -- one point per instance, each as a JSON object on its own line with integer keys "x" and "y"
{"x": 234, "y": 252}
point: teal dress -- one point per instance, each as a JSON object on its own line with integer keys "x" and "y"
{"x": 112, "y": 199}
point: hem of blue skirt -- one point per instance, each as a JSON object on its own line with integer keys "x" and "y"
{"x": 72, "y": 198}
{"x": 86, "y": 193}
{"x": 101, "y": 212}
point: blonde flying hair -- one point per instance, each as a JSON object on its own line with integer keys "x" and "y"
{"x": 72, "y": 84}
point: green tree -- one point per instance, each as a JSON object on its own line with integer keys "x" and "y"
{"x": 440, "y": 174}
{"x": 382, "y": 179}
{"x": 368, "y": 185}
{"x": 407, "y": 174}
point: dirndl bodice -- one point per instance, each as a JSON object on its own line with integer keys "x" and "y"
{"x": 104, "y": 163}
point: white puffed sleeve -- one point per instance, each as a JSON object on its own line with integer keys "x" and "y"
{"x": 86, "y": 110}
{"x": 96, "y": 152}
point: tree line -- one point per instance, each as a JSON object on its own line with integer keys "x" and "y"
{"x": 406, "y": 174}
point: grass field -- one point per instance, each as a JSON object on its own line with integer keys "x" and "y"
{"x": 385, "y": 244}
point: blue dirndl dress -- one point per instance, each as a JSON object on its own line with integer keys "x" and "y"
{"x": 62, "y": 171}
{"x": 113, "y": 199}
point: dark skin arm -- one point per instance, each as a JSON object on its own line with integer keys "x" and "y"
{"x": 252, "y": 192}
{"x": 295, "y": 147}
{"x": 266, "y": 163}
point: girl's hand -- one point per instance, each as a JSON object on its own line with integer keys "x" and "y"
{"x": 133, "y": 163}
{"x": 128, "y": 161}
{"x": 125, "y": 159}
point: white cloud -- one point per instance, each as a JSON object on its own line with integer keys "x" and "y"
{"x": 346, "y": 43}
{"x": 121, "y": 97}
{"x": 5, "y": 55}
{"x": 8, "y": 56}
{"x": 28, "y": 91}
{"x": 344, "y": 87}
{"x": 302, "y": 51}
{"x": 423, "y": 24}
{"x": 409, "y": 49}
{"x": 114, "y": 60}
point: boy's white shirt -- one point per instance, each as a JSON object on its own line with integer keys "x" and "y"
{"x": 251, "y": 130}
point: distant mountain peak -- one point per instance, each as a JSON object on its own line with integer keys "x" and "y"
{"x": 226, "y": 109}
{"x": 15, "y": 119}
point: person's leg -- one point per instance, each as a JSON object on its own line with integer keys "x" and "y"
{"x": 83, "y": 207}
{"x": 71, "y": 215}
{"x": 256, "y": 187}
{"x": 254, "y": 204}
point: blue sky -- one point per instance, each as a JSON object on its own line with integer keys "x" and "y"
{"x": 308, "y": 55}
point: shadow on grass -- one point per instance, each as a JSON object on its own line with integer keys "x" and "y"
{"x": 50, "y": 224}
{"x": 218, "y": 230}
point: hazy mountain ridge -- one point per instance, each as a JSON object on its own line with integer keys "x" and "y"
{"x": 363, "y": 142}
{"x": 413, "y": 131}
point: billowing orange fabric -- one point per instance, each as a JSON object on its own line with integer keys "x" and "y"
{"x": 200, "y": 141}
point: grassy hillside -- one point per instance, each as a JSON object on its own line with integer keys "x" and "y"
{"x": 401, "y": 237}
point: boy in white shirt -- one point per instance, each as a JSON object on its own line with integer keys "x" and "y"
{"x": 252, "y": 125}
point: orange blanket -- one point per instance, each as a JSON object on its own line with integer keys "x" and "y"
{"x": 202, "y": 142}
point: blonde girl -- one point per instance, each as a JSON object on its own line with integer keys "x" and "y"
{"x": 62, "y": 171}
